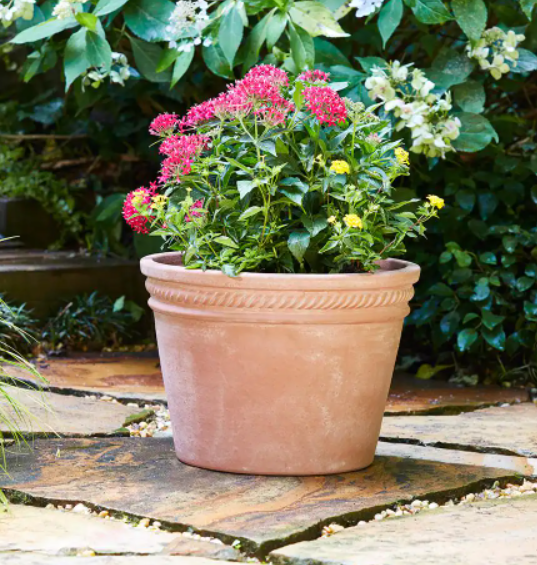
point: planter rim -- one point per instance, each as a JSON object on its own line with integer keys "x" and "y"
{"x": 392, "y": 274}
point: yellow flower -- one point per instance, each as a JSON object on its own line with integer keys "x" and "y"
{"x": 340, "y": 167}
{"x": 158, "y": 201}
{"x": 331, "y": 220}
{"x": 138, "y": 197}
{"x": 436, "y": 201}
{"x": 353, "y": 221}
{"x": 401, "y": 156}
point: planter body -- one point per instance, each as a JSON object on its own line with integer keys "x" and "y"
{"x": 277, "y": 374}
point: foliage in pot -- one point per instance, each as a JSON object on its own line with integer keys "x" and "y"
{"x": 286, "y": 369}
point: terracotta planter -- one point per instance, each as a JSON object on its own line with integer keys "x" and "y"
{"x": 277, "y": 374}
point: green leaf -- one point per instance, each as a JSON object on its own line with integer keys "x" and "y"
{"x": 216, "y": 61}
{"x": 249, "y": 212}
{"x": 466, "y": 338}
{"x": 450, "y": 68}
{"x": 440, "y": 289}
{"x": 426, "y": 372}
{"x": 429, "y": 11}
{"x": 526, "y": 62}
{"x": 367, "y": 63}
{"x": 488, "y": 258}
{"x": 490, "y": 320}
{"x": 466, "y": 200}
{"x": 527, "y": 7}
{"x": 449, "y": 323}
{"x": 245, "y": 187}
{"x": 302, "y": 48}
{"x": 119, "y": 304}
{"x": 298, "y": 243}
{"x": 524, "y": 283}
{"x": 510, "y": 243}
{"x": 389, "y": 19}
{"x": 316, "y": 19}
{"x": 475, "y": 134}
{"x": 167, "y": 59}
{"x": 470, "y": 96}
{"x": 87, "y": 20}
{"x": 315, "y": 225}
{"x": 326, "y": 53}
{"x": 254, "y": 42}
{"x": 230, "y": 34}
{"x": 463, "y": 259}
{"x": 75, "y": 61}
{"x": 182, "y": 64}
{"x": 445, "y": 257}
{"x": 44, "y": 30}
{"x": 98, "y": 51}
{"x": 471, "y": 15}
{"x": 495, "y": 337}
{"x": 275, "y": 28}
{"x": 105, "y": 7}
{"x": 148, "y": 19}
{"x": 469, "y": 317}
{"x": 147, "y": 57}
{"x": 226, "y": 241}
{"x": 530, "y": 310}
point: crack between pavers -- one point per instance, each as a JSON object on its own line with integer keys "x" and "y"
{"x": 261, "y": 550}
{"x": 453, "y": 410}
{"x": 458, "y": 447}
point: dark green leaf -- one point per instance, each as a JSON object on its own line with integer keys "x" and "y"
{"x": 245, "y": 187}
{"x": 510, "y": 243}
{"x": 367, "y": 63}
{"x": 105, "y": 7}
{"x": 530, "y": 310}
{"x": 466, "y": 338}
{"x": 488, "y": 258}
{"x": 526, "y": 62}
{"x": 98, "y": 51}
{"x": 527, "y": 7}
{"x": 524, "y": 283}
{"x": 249, "y": 212}
{"x": 230, "y": 33}
{"x": 44, "y": 30}
{"x": 302, "y": 48}
{"x": 389, "y": 19}
{"x": 298, "y": 243}
{"x": 471, "y": 15}
{"x": 495, "y": 337}
{"x": 254, "y": 43}
{"x": 167, "y": 59}
{"x": 441, "y": 289}
{"x": 147, "y": 57}
{"x": 429, "y": 11}
{"x": 216, "y": 61}
{"x": 470, "y": 96}
{"x": 449, "y": 323}
{"x": 490, "y": 320}
{"x": 475, "y": 134}
{"x": 148, "y": 19}
{"x": 181, "y": 66}
{"x": 445, "y": 257}
{"x": 275, "y": 28}
{"x": 75, "y": 61}
{"x": 466, "y": 199}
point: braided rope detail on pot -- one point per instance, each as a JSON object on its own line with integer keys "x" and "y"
{"x": 262, "y": 299}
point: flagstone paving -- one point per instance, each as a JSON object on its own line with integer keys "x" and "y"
{"x": 508, "y": 430}
{"x": 493, "y": 533}
{"x": 38, "y": 559}
{"x": 143, "y": 477}
{"x": 50, "y": 413}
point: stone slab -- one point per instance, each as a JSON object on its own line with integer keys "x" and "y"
{"x": 488, "y": 533}
{"x": 510, "y": 430}
{"x": 143, "y": 477}
{"x": 38, "y": 559}
{"x": 43, "y": 530}
{"x": 183, "y": 545}
{"x": 525, "y": 466}
{"x": 414, "y": 396}
{"x": 128, "y": 378}
{"x": 50, "y": 413}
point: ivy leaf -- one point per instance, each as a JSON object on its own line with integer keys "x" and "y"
{"x": 466, "y": 338}
{"x": 475, "y": 134}
{"x": 389, "y": 19}
{"x": 230, "y": 34}
{"x": 75, "y": 61}
{"x": 429, "y": 11}
{"x": 302, "y": 48}
{"x": 449, "y": 323}
{"x": 182, "y": 64}
{"x": 105, "y": 7}
{"x": 490, "y": 320}
{"x": 526, "y": 62}
{"x": 530, "y": 310}
{"x": 148, "y": 19}
{"x": 524, "y": 283}
{"x": 488, "y": 258}
{"x": 298, "y": 243}
{"x": 44, "y": 30}
{"x": 226, "y": 241}
{"x": 495, "y": 337}
{"x": 98, "y": 51}
{"x": 216, "y": 61}
{"x": 471, "y": 15}
{"x": 470, "y": 96}
{"x": 147, "y": 57}
{"x": 316, "y": 19}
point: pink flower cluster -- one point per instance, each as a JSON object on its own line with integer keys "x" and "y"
{"x": 136, "y": 199}
{"x": 314, "y": 76}
{"x": 163, "y": 125}
{"x": 180, "y": 151}
{"x": 194, "y": 211}
{"x": 326, "y": 104}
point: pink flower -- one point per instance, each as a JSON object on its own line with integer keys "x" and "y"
{"x": 135, "y": 201}
{"x": 181, "y": 151}
{"x": 199, "y": 114}
{"x": 193, "y": 212}
{"x": 326, "y": 104}
{"x": 269, "y": 73}
{"x": 314, "y": 76}
{"x": 163, "y": 125}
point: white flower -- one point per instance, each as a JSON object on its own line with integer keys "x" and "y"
{"x": 67, "y": 9}
{"x": 421, "y": 83}
{"x": 399, "y": 72}
{"x": 380, "y": 87}
{"x": 365, "y": 7}
{"x": 16, "y": 9}
{"x": 188, "y": 19}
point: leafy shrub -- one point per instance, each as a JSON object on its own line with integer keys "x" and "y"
{"x": 17, "y": 326}
{"x": 91, "y": 322}
{"x": 281, "y": 176}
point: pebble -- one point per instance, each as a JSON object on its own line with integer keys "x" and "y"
{"x": 331, "y": 530}
{"x": 144, "y": 523}
{"x": 81, "y": 509}
{"x": 86, "y": 553}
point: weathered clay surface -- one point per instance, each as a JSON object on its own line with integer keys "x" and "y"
{"x": 31, "y": 529}
{"x": 492, "y": 533}
{"x": 183, "y": 545}
{"x": 50, "y": 413}
{"x": 521, "y": 465}
{"x": 414, "y": 396}
{"x": 143, "y": 477}
{"x": 127, "y": 377}
{"x": 512, "y": 429}
{"x": 38, "y": 559}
